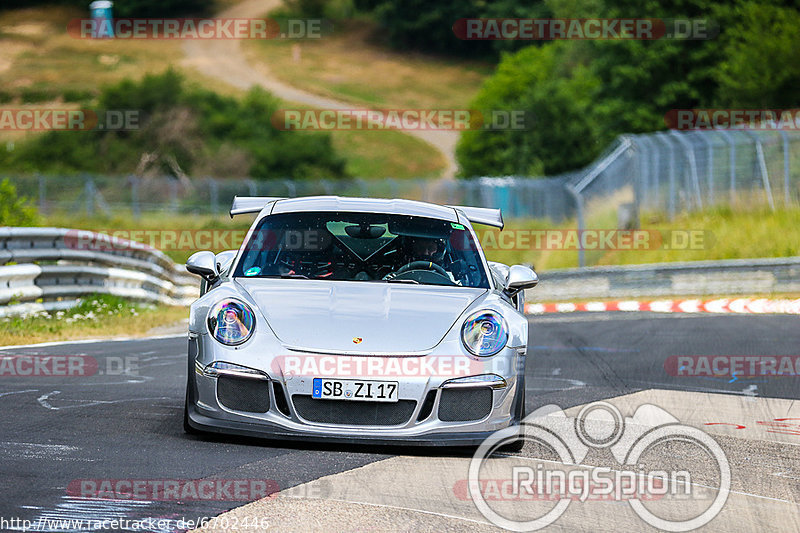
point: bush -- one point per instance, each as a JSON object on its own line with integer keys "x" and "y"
{"x": 14, "y": 211}
{"x": 562, "y": 132}
{"x": 183, "y": 130}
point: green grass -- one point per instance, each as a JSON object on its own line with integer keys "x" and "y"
{"x": 46, "y": 57}
{"x": 726, "y": 234}
{"x": 720, "y": 233}
{"x": 350, "y": 66}
{"x": 98, "y": 315}
{"x": 387, "y": 154}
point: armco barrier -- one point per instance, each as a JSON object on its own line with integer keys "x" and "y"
{"x": 53, "y": 271}
{"x": 729, "y": 277}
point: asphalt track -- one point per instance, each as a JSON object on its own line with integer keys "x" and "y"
{"x": 58, "y": 430}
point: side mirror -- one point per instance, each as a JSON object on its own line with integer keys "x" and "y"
{"x": 520, "y": 278}
{"x": 223, "y": 260}
{"x": 203, "y": 264}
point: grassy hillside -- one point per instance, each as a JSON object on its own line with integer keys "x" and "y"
{"x": 42, "y": 66}
{"x": 349, "y": 65}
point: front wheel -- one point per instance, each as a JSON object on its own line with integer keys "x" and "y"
{"x": 519, "y": 415}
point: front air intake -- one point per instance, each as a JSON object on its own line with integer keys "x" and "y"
{"x": 243, "y": 394}
{"x": 353, "y": 413}
{"x": 465, "y": 404}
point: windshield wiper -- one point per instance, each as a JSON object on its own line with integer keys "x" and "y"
{"x": 411, "y": 281}
{"x": 287, "y": 276}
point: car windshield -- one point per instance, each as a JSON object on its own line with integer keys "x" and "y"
{"x": 346, "y": 246}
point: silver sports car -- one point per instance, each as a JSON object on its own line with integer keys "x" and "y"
{"x": 357, "y": 319}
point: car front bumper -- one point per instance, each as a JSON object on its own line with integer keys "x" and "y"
{"x": 432, "y": 421}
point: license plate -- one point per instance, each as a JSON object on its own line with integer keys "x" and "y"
{"x": 358, "y": 390}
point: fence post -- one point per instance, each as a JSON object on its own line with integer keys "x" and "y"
{"x": 641, "y": 189}
{"x": 692, "y": 167}
{"x": 655, "y": 165}
{"x": 88, "y": 190}
{"x": 762, "y": 164}
{"x": 135, "y": 208}
{"x": 787, "y": 193}
{"x": 291, "y": 188}
{"x": 173, "y": 195}
{"x": 671, "y": 174}
{"x": 731, "y": 162}
{"x": 42, "y": 195}
{"x": 213, "y": 191}
{"x": 710, "y": 165}
{"x": 581, "y": 222}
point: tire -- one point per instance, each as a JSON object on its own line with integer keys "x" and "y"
{"x": 187, "y": 428}
{"x": 519, "y": 415}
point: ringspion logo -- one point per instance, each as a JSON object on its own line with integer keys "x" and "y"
{"x": 599, "y": 425}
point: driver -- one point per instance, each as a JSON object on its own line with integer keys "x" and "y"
{"x": 420, "y": 250}
{"x": 426, "y": 249}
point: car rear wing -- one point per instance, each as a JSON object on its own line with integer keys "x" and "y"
{"x": 478, "y": 215}
{"x": 251, "y": 204}
{"x": 482, "y": 215}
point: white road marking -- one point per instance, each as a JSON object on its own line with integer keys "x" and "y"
{"x": 750, "y": 390}
{"x": 17, "y": 392}
{"x": 44, "y": 401}
{"x": 91, "y": 341}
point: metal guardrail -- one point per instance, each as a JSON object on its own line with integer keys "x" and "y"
{"x": 54, "y": 267}
{"x": 736, "y": 276}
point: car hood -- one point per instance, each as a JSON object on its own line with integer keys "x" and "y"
{"x": 358, "y": 317}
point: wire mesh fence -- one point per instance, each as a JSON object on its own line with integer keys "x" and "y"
{"x": 94, "y": 194}
{"x": 690, "y": 171}
{"x": 666, "y": 172}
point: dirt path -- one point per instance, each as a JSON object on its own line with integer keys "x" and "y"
{"x": 224, "y": 59}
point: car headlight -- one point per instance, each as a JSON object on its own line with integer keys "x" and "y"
{"x": 484, "y": 333}
{"x": 231, "y": 322}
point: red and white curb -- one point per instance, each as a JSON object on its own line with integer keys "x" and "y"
{"x": 738, "y": 306}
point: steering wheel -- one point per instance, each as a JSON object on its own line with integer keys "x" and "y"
{"x": 418, "y": 265}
